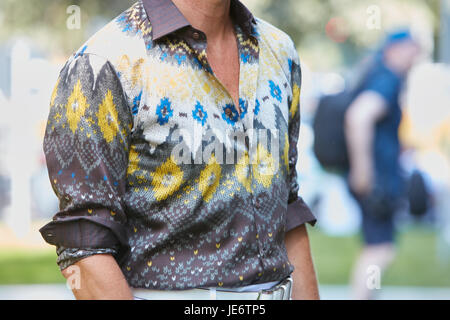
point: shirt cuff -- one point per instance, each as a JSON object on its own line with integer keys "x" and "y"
{"x": 298, "y": 213}
{"x": 70, "y": 256}
{"x": 86, "y": 232}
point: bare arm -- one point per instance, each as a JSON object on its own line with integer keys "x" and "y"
{"x": 304, "y": 275}
{"x": 360, "y": 122}
{"x": 100, "y": 278}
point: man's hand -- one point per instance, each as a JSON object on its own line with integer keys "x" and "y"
{"x": 299, "y": 254}
{"x": 361, "y": 180}
{"x": 100, "y": 278}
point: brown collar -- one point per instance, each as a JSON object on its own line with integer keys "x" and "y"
{"x": 166, "y": 18}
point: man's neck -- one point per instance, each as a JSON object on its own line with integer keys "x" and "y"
{"x": 209, "y": 16}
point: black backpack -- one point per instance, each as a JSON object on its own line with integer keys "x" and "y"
{"x": 330, "y": 145}
{"x": 418, "y": 195}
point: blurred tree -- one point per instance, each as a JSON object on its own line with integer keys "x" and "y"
{"x": 340, "y": 27}
{"x": 45, "y": 21}
{"x": 337, "y": 27}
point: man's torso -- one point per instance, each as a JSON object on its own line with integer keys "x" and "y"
{"x": 198, "y": 220}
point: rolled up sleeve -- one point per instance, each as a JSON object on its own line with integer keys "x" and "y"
{"x": 298, "y": 212}
{"x": 70, "y": 256}
{"x": 86, "y": 145}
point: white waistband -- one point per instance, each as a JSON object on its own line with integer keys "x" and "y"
{"x": 281, "y": 291}
{"x": 193, "y": 294}
{"x": 250, "y": 288}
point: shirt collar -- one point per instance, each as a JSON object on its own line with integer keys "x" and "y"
{"x": 166, "y": 18}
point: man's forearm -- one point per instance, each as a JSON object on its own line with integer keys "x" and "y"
{"x": 360, "y": 121}
{"x": 98, "y": 277}
{"x": 304, "y": 275}
{"x": 359, "y": 136}
{"x": 360, "y": 149}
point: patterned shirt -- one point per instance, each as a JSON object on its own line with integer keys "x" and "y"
{"x": 152, "y": 162}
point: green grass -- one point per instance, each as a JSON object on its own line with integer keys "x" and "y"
{"x": 29, "y": 267}
{"x": 417, "y": 262}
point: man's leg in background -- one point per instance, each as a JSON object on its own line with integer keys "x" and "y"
{"x": 375, "y": 257}
{"x": 372, "y": 261}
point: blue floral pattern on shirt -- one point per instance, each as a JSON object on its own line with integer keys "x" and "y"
{"x": 275, "y": 91}
{"x": 200, "y": 114}
{"x": 164, "y": 111}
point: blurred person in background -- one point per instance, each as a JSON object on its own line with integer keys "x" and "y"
{"x": 371, "y": 129}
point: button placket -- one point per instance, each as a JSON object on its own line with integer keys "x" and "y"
{"x": 201, "y": 48}
{"x": 247, "y": 124}
{"x": 197, "y": 42}
{"x": 255, "y": 207}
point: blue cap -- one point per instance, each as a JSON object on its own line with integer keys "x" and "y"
{"x": 397, "y": 36}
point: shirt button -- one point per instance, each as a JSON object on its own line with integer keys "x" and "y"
{"x": 257, "y": 204}
{"x": 228, "y": 112}
{"x": 196, "y": 35}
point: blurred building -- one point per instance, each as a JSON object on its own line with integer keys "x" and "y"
{"x": 24, "y": 112}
